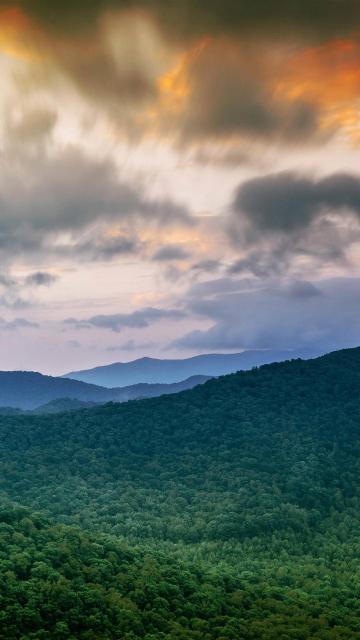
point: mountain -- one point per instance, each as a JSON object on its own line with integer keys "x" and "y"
{"x": 289, "y": 430}
{"x": 152, "y": 370}
{"x": 229, "y": 511}
{"x": 30, "y": 390}
{"x": 147, "y": 390}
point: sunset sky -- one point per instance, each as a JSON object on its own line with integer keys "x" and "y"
{"x": 177, "y": 177}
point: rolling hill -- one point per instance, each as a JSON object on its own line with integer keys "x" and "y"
{"x": 30, "y": 390}
{"x": 153, "y": 370}
{"x": 228, "y": 511}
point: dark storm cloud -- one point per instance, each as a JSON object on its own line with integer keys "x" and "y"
{"x": 280, "y": 220}
{"x": 232, "y": 96}
{"x": 170, "y": 252}
{"x": 232, "y": 92}
{"x": 287, "y": 202}
{"x": 136, "y": 320}
{"x": 188, "y": 17}
{"x": 317, "y": 316}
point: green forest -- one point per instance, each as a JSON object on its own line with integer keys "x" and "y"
{"x": 231, "y": 511}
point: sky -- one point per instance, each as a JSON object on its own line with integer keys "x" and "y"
{"x": 177, "y": 178}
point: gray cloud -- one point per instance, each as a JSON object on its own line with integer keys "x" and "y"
{"x": 170, "y": 252}
{"x": 131, "y": 345}
{"x": 286, "y": 222}
{"x": 136, "y": 320}
{"x": 210, "y": 288}
{"x": 231, "y": 97}
{"x": 107, "y": 247}
{"x": 265, "y": 263}
{"x": 74, "y": 344}
{"x": 32, "y": 126}
{"x": 318, "y": 316}
{"x": 207, "y": 266}
{"x": 287, "y": 202}
{"x": 71, "y": 191}
{"x": 17, "y": 323}
{"x": 44, "y": 197}
{"x": 40, "y": 279}
{"x": 303, "y": 289}
{"x": 184, "y": 17}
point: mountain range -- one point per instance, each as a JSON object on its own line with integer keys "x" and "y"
{"x": 29, "y": 390}
{"x": 153, "y": 370}
{"x": 121, "y": 381}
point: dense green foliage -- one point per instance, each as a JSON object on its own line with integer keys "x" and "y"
{"x": 62, "y": 583}
{"x": 247, "y": 486}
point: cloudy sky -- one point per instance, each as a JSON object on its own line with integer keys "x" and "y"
{"x": 176, "y": 178}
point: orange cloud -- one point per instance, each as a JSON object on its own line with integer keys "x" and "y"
{"x": 174, "y": 86}
{"x": 17, "y": 34}
{"x": 329, "y": 77}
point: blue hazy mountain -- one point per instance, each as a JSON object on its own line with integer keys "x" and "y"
{"x": 30, "y": 390}
{"x": 153, "y": 370}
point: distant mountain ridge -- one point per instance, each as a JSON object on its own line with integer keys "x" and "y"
{"x": 30, "y": 390}
{"x": 154, "y": 370}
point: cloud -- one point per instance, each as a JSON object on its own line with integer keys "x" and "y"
{"x": 131, "y": 345}
{"x": 30, "y": 126}
{"x": 184, "y": 17}
{"x": 48, "y": 203}
{"x": 230, "y": 95}
{"x": 315, "y": 316}
{"x": 287, "y": 223}
{"x": 265, "y": 263}
{"x": 125, "y": 62}
{"x": 110, "y": 53}
{"x": 210, "y": 71}
{"x": 210, "y": 288}
{"x": 136, "y": 320}
{"x": 16, "y": 324}
{"x": 74, "y": 344}
{"x": 107, "y": 247}
{"x": 170, "y": 252}
{"x": 287, "y": 202}
{"x": 71, "y": 190}
{"x": 40, "y": 278}
{"x": 207, "y": 266}
{"x": 302, "y": 290}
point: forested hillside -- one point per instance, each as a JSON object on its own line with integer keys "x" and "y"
{"x": 251, "y": 480}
